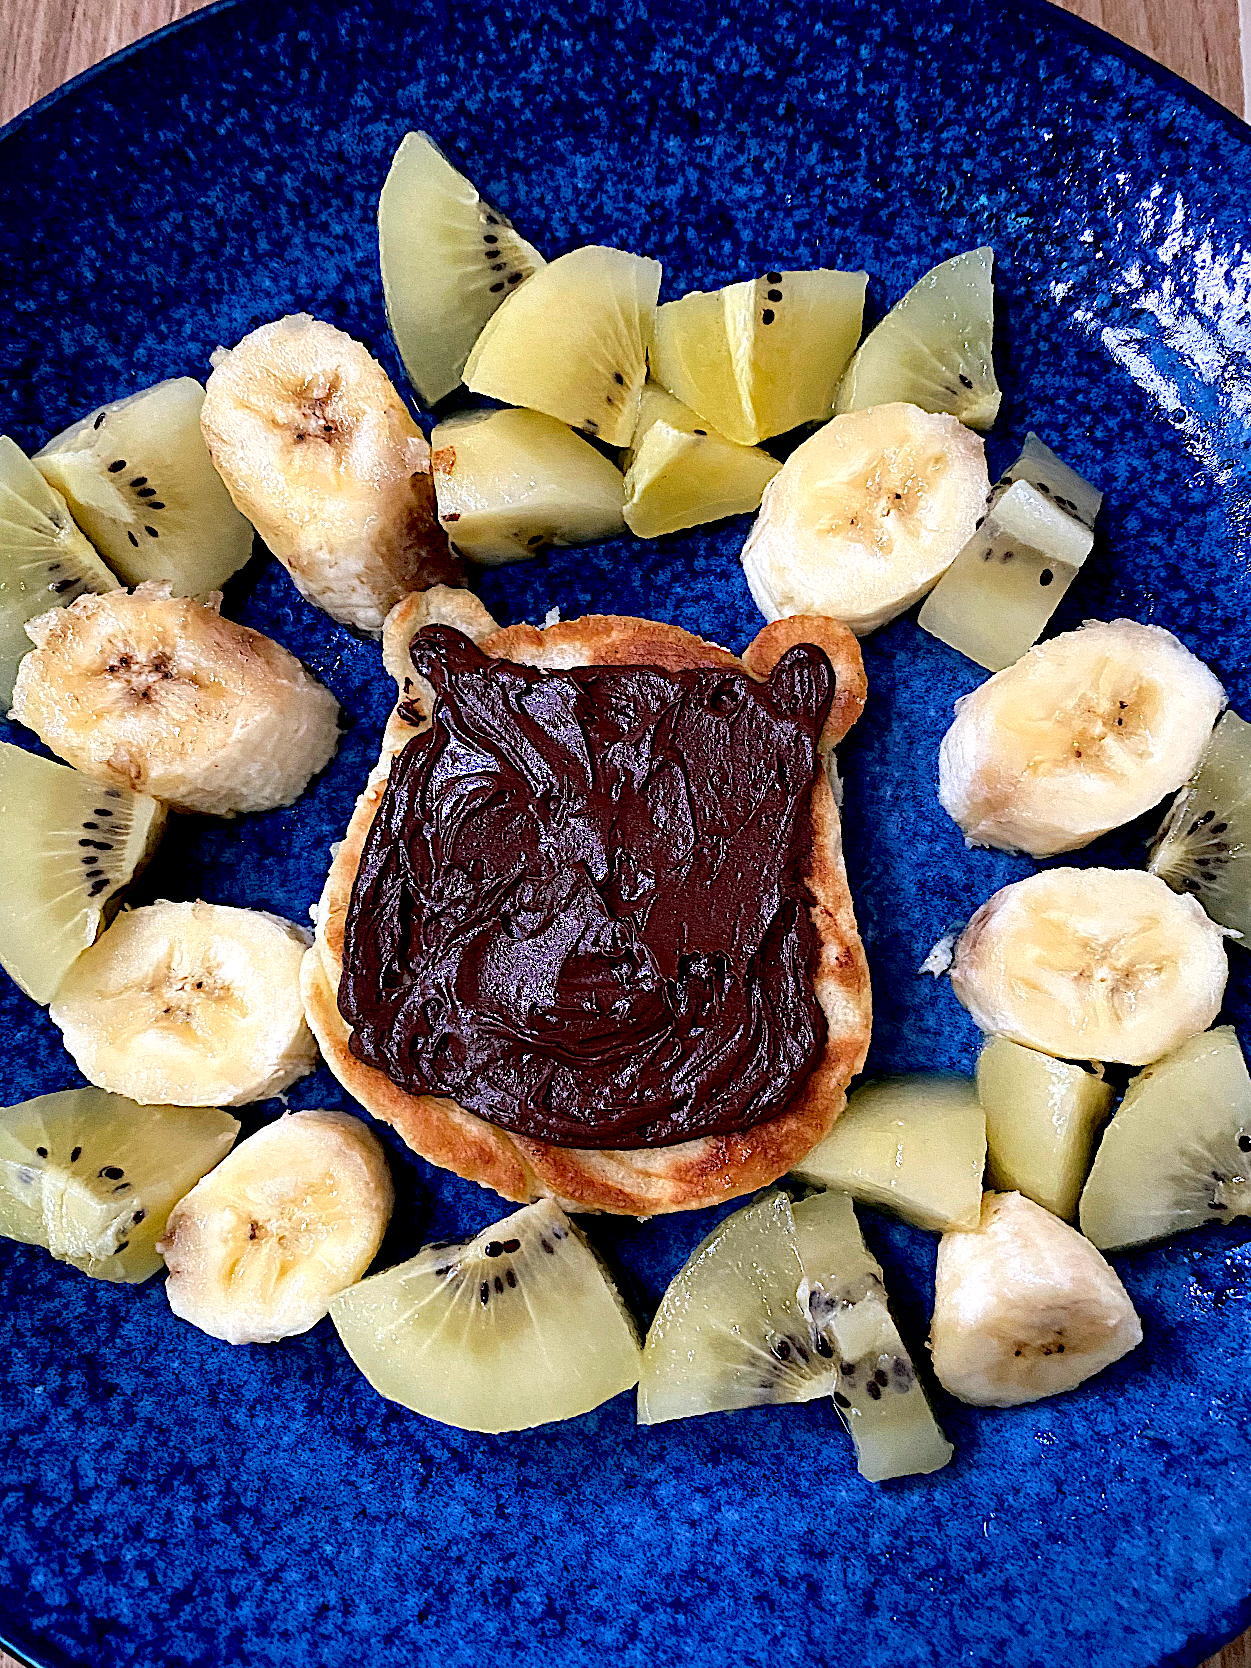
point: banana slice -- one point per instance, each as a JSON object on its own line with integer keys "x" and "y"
{"x": 295, "y": 1215}
{"x": 1092, "y": 964}
{"x": 1082, "y": 734}
{"x": 866, "y": 515}
{"x": 189, "y": 1004}
{"x": 1024, "y": 1307}
{"x": 320, "y": 453}
{"x": 160, "y": 695}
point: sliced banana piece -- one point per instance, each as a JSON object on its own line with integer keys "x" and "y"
{"x": 1082, "y": 734}
{"x": 1091, "y": 964}
{"x": 866, "y": 515}
{"x": 160, "y": 695}
{"x": 189, "y": 1004}
{"x": 295, "y": 1215}
{"x": 320, "y": 453}
{"x": 1024, "y": 1307}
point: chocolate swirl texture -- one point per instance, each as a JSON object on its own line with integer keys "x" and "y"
{"x": 581, "y": 910}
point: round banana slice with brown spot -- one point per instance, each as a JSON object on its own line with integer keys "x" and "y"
{"x": 321, "y": 454}
{"x": 1092, "y": 964}
{"x": 189, "y": 1004}
{"x": 160, "y": 695}
{"x": 291, "y": 1218}
{"x": 866, "y": 516}
{"x": 1024, "y": 1307}
{"x": 1082, "y": 734}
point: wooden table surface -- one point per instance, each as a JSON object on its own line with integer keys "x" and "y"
{"x": 47, "y": 41}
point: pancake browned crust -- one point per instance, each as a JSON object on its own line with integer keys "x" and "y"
{"x": 642, "y": 1181}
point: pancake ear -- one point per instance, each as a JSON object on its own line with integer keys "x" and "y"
{"x": 439, "y": 650}
{"x": 773, "y": 640}
{"x": 801, "y": 685}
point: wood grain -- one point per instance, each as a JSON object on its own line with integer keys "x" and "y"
{"x": 45, "y": 42}
{"x": 1200, "y": 39}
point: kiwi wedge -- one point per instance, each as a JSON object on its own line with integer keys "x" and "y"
{"x": 915, "y": 1145}
{"x": 1204, "y": 844}
{"x": 1038, "y": 466}
{"x": 933, "y": 348}
{"x": 517, "y": 1327}
{"x": 791, "y": 335}
{"x": 682, "y": 473}
{"x": 448, "y": 260}
{"x": 995, "y": 599}
{"x": 69, "y": 846}
{"x": 511, "y": 483}
{"x": 139, "y": 481}
{"x": 761, "y": 357}
{"x": 690, "y": 357}
{"x": 878, "y": 1394}
{"x": 92, "y": 1177}
{"x": 732, "y": 1329}
{"x": 572, "y": 341}
{"x": 45, "y": 561}
{"x": 1178, "y": 1152}
{"x": 1042, "y": 1117}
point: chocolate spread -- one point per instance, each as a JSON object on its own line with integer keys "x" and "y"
{"x": 581, "y": 910}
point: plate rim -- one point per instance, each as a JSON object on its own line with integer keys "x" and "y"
{"x": 1200, "y": 1647}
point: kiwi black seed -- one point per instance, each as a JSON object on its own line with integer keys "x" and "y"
{"x": 45, "y": 559}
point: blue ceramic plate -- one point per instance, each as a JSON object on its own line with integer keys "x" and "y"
{"x": 167, "y": 1499}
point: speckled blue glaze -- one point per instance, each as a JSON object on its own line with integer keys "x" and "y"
{"x": 165, "y": 1499}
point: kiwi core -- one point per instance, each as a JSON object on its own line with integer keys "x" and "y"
{"x": 581, "y": 911}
